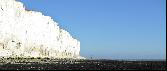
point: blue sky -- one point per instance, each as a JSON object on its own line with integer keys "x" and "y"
{"x": 111, "y": 29}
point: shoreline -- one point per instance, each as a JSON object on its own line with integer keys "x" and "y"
{"x": 78, "y": 64}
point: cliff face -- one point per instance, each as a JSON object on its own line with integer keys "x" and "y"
{"x": 30, "y": 34}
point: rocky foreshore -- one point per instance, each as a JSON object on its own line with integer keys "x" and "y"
{"x": 77, "y": 64}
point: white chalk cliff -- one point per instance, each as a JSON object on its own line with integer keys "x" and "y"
{"x": 26, "y": 33}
